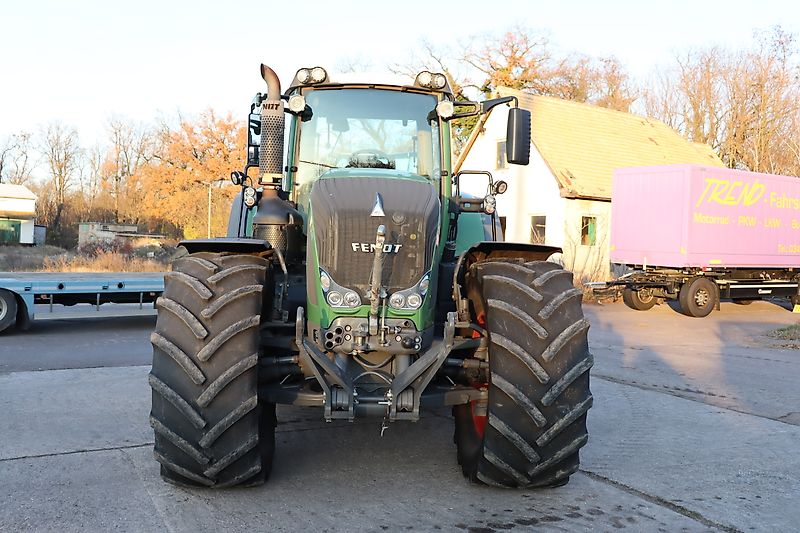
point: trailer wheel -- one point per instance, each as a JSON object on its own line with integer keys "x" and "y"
{"x": 641, "y": 300}
{"x": 698, "y": 297}
{"x": 8, "y": 309}
{"x": 531, "y": 429}
{"x": 210, "y": 428}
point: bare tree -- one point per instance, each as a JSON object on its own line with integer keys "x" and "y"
{"x": 131, "y": 147}
{"x": 16, "y": 163}
{"x": 743, "y": 104}
{"x": 62, "y": 152}
{"x": 5, "y": 155}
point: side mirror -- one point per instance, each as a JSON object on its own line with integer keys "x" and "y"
{"x": 518, "y": 136}
{"x": 253, "y": 138}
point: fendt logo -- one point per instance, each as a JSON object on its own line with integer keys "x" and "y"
{"x": 368, "y": 248}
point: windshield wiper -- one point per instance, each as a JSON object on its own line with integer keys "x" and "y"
{"x": 318, "y": 164}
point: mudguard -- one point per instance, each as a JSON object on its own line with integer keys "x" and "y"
{"x": 236, "y": 245}
{"x": 497, "y": 249}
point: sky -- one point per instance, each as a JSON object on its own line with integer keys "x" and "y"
{"x": 81, "y": 62}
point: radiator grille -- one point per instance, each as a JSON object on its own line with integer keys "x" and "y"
{"x": 344, "y": 229}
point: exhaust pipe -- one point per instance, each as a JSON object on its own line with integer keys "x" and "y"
{"x": 270, "y": 151}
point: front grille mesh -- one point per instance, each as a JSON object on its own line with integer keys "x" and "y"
{"x": 341, "y": 210}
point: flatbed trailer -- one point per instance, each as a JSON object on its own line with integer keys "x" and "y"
{"x": 20, "y": 291}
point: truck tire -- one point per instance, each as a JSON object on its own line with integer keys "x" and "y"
{"x": 530, "y": 431}
{"x": 742, "y": 301}
{"x": 210, "y": 429}
{"x": 8, "y": 309}
{"x": 698, "y": 297}
{"x": 641, "y": 300}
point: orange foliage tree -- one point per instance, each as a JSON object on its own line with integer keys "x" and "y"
{"x": 192, "y": 161}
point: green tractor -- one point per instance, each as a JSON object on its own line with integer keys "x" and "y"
{"x": 357, "y": 278}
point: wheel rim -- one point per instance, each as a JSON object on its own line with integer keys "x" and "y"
{"x": 3, "y": 309}
{"x": 701, "y": 298}
{"x": 645, "y": 296}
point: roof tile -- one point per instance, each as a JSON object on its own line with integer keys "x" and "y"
{"x": 583, "y": 144}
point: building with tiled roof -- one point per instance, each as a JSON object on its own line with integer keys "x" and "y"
{"x": 563, "y": 197}
{"x": 17, "y": 213}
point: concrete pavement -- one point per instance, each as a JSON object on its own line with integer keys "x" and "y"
{"x": 78, "y": 457}
{"x": 688, "y": 433}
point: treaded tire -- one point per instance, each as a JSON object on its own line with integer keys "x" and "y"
{"x": 209, "y": 427}
{"x": 697, "y": 297}
{"x": 634, "y": 300}
{"x": 539, "y": 365}
{"x": 8, "y": 309}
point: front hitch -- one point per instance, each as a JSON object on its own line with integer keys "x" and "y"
{"x": 403, "y": 398}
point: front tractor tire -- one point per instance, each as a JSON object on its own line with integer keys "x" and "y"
{"x": 530, "y": 432}
{"x": 210, "y": 429}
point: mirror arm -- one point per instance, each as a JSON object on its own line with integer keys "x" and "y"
{"x": 488, "y": 105}
{"x": 485, "y": 108}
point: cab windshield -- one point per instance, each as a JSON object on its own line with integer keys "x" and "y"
{"x": 367, "y": 128}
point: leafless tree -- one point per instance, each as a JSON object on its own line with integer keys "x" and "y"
{"x": 131, "y": 146}
{"x": 16, "y": 162}
{"x": 743, "y": 104}
{"x": 62, "y": 153}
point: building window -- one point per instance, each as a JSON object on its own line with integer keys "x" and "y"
{"x": 538, "y": 223}
{"x": 10, "y": 231}
{"x": 588, "y": 231}
{"x": 501, "y": 155}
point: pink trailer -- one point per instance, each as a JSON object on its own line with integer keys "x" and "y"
{"x": 698, "y": 234}
{"x": 695, "y": 216}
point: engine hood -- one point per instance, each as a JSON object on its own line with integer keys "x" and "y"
{"x": 348, "y": 205}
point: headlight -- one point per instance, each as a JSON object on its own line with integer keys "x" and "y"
{"x": 297, "y": 103}
{"x": 445, "y": 109}
{"x": 335, "y": 294}
{"x": 303, "y": 75}
{"x": 335, "y": 298}
{"x": 489, "y": 204}
{"x": 424, "y": 78}
{"x": 311, "y": 76}
{"x": 424, "y": 284}
{"x": 433, "y": 80}
{"x": 351, "y": 299}
{"x": 414, "y": 301}
{"x": 249, "y": 196}
{"x": 324, "y": 280}
{"x": 397, "y": 300}
{"x": 318, "y": 74}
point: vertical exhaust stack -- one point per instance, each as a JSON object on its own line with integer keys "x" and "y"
{"x": 270, "y": 151}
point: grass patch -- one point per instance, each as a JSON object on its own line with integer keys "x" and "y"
{"x": 54, "y": 259}
{"x": 27, "y": 258}
{"x": 788, "y": 333}
{"x": 103, "y": 262}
